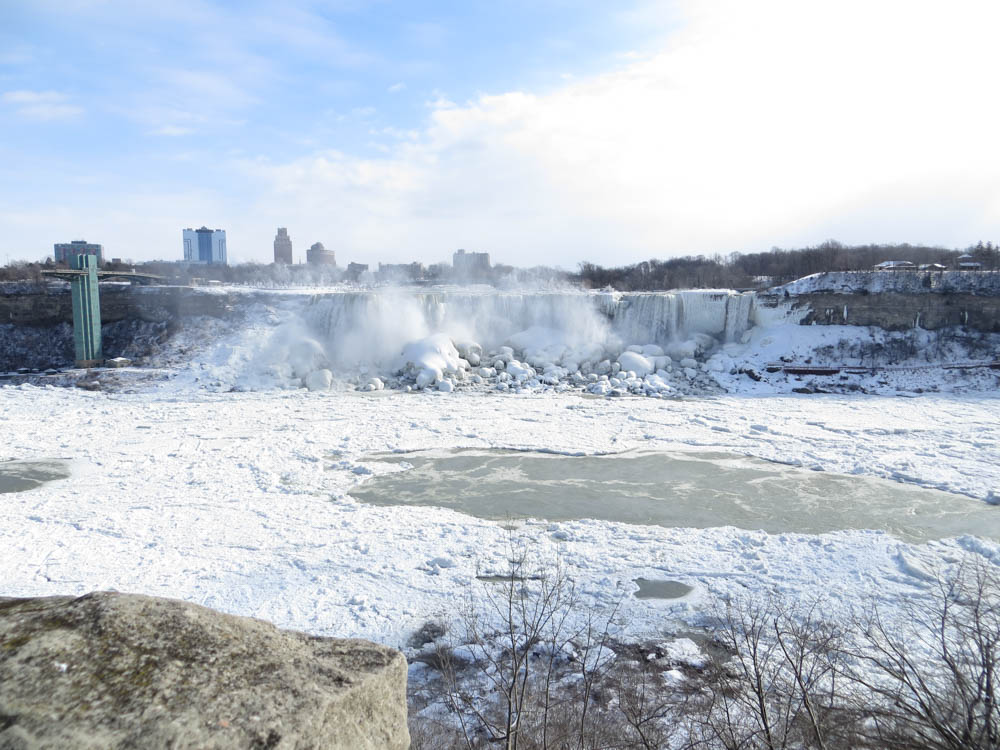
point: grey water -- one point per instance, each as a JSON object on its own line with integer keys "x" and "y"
{"x": 661, "y": 589}
{"x": 18, "y": 476}
{"x": 694, "y": 490}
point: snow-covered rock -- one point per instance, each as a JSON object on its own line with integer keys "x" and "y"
{"x": 430, "y": 359}
{"x": 636, "y": 363}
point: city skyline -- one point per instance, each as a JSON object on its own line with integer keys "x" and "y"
{"x": 537, "y": 131}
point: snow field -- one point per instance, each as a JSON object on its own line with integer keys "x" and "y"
{"x": 242, "y": 501}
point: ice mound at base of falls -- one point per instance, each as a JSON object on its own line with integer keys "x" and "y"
{"x": 540, "y": 346}
{"x": 430, "y": 359}
{"x": 288, "y": 356}
{"x": 539, "y": 359}
{"x": 288, "y": 349}
{"x": 637, "y": 363}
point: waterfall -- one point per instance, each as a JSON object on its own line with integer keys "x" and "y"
{"x": 374, "y": 325}
{"x": 739, "y": 308}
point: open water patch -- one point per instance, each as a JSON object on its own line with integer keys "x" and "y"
{"x": 653, "y": 588}
{"x": 19, "y": 476}
{"x": 694, "y": 490}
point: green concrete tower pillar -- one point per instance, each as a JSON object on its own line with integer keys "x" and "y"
{"x": 86, "y": 312}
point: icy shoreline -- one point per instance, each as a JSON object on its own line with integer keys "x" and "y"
{"x": 659, "y": 345}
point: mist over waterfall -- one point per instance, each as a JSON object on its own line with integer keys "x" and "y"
{"x": 599, "y": 341}
{"x": 374, "y": 326}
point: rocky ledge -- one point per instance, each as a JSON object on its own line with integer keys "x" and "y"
{"x": 111, "y": 670}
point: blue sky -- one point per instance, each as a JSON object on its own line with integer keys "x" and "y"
{"x": 544, "y": 132}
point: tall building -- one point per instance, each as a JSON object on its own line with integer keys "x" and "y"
{"x": 205, "y": 245}
{"x": 401, "y": 271}
{"x": 319, "y": 256}
{"x": 470, "y": 265}
{"x": 354, "y": 270}
{"x": 66, "y": 250}
{"x": 283, "y": 247}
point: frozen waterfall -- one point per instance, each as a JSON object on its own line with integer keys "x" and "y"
{"x": 375, "y": 325}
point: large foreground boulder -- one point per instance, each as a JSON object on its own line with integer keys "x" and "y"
{"x": 112, "y": 670}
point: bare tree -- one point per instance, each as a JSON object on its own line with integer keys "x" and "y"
{"x": 929, "y": 679}
{"x": 541, "y": 655}
{"x": 779, "y": 688}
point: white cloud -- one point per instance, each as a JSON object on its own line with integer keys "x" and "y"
{"x": 172, "y": 130}
{"x": 763, "y": 123}
{"x": 396, "y": 87}
{"x": 42, "y": 105}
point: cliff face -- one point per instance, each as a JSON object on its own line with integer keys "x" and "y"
{"x": 892, "y": 311}
{"x": 52, "y": 305}
{"x": 111, "y": 670}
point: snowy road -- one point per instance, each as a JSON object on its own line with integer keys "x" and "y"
{"x": 242, "y": 501}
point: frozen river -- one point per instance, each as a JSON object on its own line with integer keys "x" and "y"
{"x": 249, "y": 502}
{"x": 690, "y": 489}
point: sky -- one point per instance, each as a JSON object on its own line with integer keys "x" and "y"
{"x": 546, "y": 132}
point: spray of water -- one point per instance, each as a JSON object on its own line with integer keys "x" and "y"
{"x": 380, "y": 331}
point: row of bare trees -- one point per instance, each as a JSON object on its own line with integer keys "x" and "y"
{"x": 532, "y": 665}
{"x": 775, "y": 266}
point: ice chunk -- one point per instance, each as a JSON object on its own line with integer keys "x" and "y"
{"x": 431, "y": 358}
{"x": 466, "y": 348}
{"x": 684, "y": 651}
{"x": 519, "y": 371}
{"x": 633, "y": 362}
{"x": 428, "y": 376}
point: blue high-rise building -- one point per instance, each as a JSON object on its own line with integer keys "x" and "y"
{"x": 205, "y": 245}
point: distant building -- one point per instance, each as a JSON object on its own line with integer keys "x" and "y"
{"x": 968, "y": 263}
{"x": 66, "y": 250}
{"x": 318, "y": 255}
{"x": 932, "y": 267}
{"x": 400, "y": 271}
{"x": 205, "y": 245}
{"x": 354, "y": 270}
{"x": 470, "y": 265}
{"x": 895, "y": 265}
{"x": 283, "y": 247}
